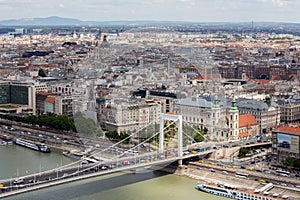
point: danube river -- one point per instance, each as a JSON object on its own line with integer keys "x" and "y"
{"x": 144, "y": 184}
{"x": 18, "y": 161}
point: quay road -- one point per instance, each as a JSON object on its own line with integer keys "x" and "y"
{"x": 292, "y": 183}
{"x": 63, "y": 140}
{"x": 54, "y": 138}
{"x": 79, "y": 171}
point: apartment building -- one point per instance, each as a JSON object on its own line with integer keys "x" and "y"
{"x": 266, "y": 113}
{"x": 290, "y": 109}
{"x": 204, "y": 114}
{"x": 286, "y": 142}
{"x": 20, "y": 96}
{"x": 126, "y": 116}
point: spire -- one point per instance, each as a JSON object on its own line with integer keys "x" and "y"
{"x": 233, "y": 107}
{"x": 104, "y": 43}
{"x": 91, "y": 97}
{"x": 216, "y": 104}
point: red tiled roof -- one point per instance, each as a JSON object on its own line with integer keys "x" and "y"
{"x": 264, "y": 86}
{"x": 261, "y": 81}
{"x": 291, "y": 128}
{"x": 211, "y": 76}
{"x": 243, "y": 134}
{"x": 45, "y": 93}
{"x": 246, "y": 120}
{"x": 50, "y": 100}
{"x": 276, "y": 77}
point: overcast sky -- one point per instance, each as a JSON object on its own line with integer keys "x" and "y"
{"x": 170, "y": 10}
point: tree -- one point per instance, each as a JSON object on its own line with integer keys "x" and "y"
{"x": 85, "y": 125}
{"x": 205, "y": 130}
{"x": 198, "y": 135}
{"x": 170, "y": 130}
{"x": 243, "y": 152}
{"x": 289, "y": 161}
{"x": 99, "y": 132}
{"x": 42, "y": 73}
{"x": 114, "y": 135}
{"x": 297, "y": 163}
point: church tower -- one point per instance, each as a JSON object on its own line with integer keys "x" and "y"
{"x": 233, "y": 121}
{"x": 216, "y": 120}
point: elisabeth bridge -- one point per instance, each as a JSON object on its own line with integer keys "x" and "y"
{"x": 131, "y": 159}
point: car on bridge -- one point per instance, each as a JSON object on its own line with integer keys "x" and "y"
{"x": 18, "y": 181}
{"x": 125, "y": 162}
{"x": 212, "y": 170}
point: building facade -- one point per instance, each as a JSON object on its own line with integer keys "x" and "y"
{"x": 124, "y": 116}
{"x": 290, "y": 110}
{"x": 203, "y": 114}
{"x": 19, "y": 94}
{"x": 286, "y": 142}
{"x": 266, "y": 113}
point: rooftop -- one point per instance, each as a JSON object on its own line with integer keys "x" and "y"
{"x": 194, "y": 102}
{"x": 290, "y": 128}
{"x": 246, "y": 120}
{"x": 50, "y": 100}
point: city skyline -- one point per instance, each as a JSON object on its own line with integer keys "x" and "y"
{"x": 162, "y": 10}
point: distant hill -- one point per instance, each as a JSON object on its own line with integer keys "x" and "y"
{"x": 48, "y": 21}
{"x": 60, "y": 21}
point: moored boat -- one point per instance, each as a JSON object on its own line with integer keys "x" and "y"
{"x": 6, "y": 138}
{"x": 240, "y": 193}
{"x": 31, "y": 145}
{"x": 76, "y": 154}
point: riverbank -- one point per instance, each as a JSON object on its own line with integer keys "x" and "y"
{"x": 209, "y": 173}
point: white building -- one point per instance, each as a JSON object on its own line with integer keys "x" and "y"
{"x": 124, "y": 116}
{"x": 201, "y": 113}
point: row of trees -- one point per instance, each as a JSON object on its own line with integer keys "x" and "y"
{"x": 292, "y": 162}
{"x": 114, "y": 135}
{"x": 60, "y": 122}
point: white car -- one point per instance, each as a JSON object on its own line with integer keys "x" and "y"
{"x": 18, "y": 181}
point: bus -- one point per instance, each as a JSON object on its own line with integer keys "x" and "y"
{"x": 282, "y": 173}
{"x": 241, "y": 175}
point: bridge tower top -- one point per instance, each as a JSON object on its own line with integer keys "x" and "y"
{"x": 174, "y": 118}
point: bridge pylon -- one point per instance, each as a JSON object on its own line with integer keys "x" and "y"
{"x": 174, "y": 118}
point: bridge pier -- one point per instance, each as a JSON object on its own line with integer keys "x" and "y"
{"x": 180, "y": 162}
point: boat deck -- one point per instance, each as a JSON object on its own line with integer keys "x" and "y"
{"x": 250, "y": 193}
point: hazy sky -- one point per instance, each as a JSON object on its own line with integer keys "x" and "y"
{"x": 174, "y": 10}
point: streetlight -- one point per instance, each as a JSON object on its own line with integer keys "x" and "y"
{"x": 10, "y": 183}
{"x": 57, "y": 170}
{"x": 40, "y": 169}
{"x": 78, "y": 170}
{"x": 61, "y": 164}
